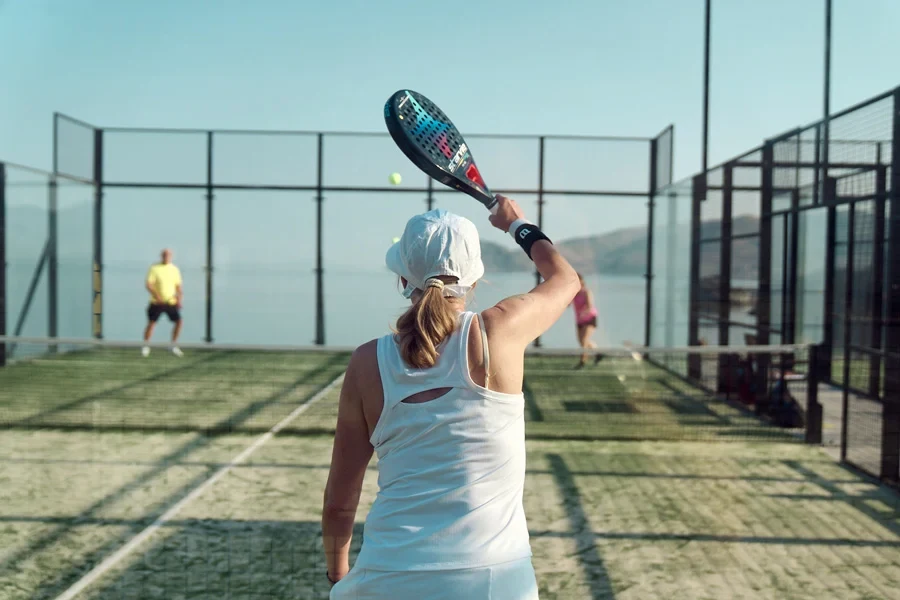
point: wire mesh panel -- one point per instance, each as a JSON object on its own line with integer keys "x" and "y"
{"x": 73, "y": 150}
{"x": 863, "y": 276}
{"x": 839, "y": 302}
{"x": 264, "y": 159}
{"x": 811, "y": 257}
{"x": 588, "y": 164}
{"x": 154, "y": 157}
{"x": 74, "y": 249}
{"x": 665, "y": 144}
{"x": 263, "y": 277}
{"x": 605, "y": 239}
{"x": 864, "y": 413}
{"x": 861, "y": 137}
{"x": 362, "y": 299}
{"x": 670, "y": 295}
{"x": 27, "y": 254}
{"x": 131, "y": 247}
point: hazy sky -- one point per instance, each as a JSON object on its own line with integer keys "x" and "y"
{"x": 599, "y": 67}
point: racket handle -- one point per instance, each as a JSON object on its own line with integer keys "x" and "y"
{"x": 494, "y": 206}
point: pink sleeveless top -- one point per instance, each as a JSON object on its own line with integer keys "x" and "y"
{"x": 582, "y": 313}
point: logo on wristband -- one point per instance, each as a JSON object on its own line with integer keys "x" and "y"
{"x": 524, "y": 232}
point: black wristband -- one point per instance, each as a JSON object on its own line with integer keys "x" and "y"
{"x": 526, "y": 235}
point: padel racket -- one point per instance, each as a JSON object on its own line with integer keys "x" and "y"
{"x": 430, "y": 140}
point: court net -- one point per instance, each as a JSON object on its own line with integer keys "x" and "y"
{"x": 699, "y": 393}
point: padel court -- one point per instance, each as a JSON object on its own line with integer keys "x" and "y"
{"x": 202, "y": 477}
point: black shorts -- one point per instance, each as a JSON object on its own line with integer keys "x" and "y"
{"x": 155, "y": 310}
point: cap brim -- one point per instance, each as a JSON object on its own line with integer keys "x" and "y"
{"x": 395, "y": 264}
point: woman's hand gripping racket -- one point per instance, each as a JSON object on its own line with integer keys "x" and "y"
{"x": 430, "y": 140}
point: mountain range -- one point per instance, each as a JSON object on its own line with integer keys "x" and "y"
{"x": 619, "y": 252}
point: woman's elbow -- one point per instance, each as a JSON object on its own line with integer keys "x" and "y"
{"x": 572, "y": 284}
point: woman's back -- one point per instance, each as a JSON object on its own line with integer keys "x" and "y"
{"x": 451, "y": 469}
{"x": 441, "y": 404}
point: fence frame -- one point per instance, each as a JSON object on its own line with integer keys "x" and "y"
{"x": 209, "y": 186}
{"x": 3, "y": 262}
{"x": 885, "y": 285}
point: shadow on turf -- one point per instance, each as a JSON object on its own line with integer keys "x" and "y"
{"x": 889, "y": 496}
{"x": 217, "y": 558}
{"x": 38, "y": 420}
{"x": 44, "y": 541}
{"x": 595, "y": 573}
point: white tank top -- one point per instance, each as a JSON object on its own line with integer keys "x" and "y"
{"x": 451, "y": 471}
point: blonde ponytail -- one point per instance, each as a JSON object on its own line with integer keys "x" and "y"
{"x": 422, "y": 328}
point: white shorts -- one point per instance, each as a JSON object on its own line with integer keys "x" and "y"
{"x": 513, "y": 580}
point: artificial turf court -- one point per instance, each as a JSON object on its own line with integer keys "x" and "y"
{"x": 160, "y": 478}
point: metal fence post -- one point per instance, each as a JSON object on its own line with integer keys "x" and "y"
{"x": 813, "y": 433}
{"x": 209, "y": 236}
{"x": 890, "y": 424}
{"x": 2, "y": 262}
{"x": 320, "y": 292}
{"x": 97, "y": 304}
{"x": 878, "y": 277}
{"x": 648, "y": 293}
{"x": 848, "y": 312}
{"x": 698, "y": 193}
{"x": 764, "y": 285}
{"x": 540, "y": 207}
{"x": 826, "y": 356}
{"x": 792, "y": 271}
{"x": 724, "y": 307}
{"x": 52, "y": 260}
{"x": 429, "y": 200}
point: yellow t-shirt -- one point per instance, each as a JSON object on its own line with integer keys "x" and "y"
{"x": 164, "y": 279}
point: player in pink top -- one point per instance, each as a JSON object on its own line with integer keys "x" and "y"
{"x": 585, "y": 321}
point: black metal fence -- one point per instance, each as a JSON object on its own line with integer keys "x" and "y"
{"x": 797, "y": 242}
{"x": 279, "y": 234}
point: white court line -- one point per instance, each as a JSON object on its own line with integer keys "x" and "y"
{"x": 137, "y": 540}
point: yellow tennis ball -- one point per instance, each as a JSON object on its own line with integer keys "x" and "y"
{"x": 395, "y": 240}
{"x": 395, "y": 178}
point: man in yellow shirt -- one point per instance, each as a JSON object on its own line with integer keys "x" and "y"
{"x": 165, "y": 287}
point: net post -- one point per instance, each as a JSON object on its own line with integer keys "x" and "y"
{"x": 540, "y": 207}
{"x": 52, "y": 260}
{"x": 209, "y": 237}
{"x": 890, "y": 424}
{"x": 2, "y": 262}
{"x": 698, "y": 193}
{"x": 648, "y": 294}
{"x": 320, "y": 292}
{"x": 97, "y": 284}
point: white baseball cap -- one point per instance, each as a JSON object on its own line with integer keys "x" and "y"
{"x": 437, "y": 243}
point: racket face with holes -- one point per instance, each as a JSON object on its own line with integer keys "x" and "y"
{"x": 430, "y": 140}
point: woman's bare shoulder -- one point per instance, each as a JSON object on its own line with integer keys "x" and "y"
{"x": 364, "y": 361}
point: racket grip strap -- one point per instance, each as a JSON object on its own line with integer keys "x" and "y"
{"x": 527, "y": 234}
